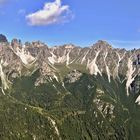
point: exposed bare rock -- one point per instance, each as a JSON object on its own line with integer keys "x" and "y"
{"x": 73, "y": 76}
{"x": 99, "y": 59}
{"x": 3, "y": 38}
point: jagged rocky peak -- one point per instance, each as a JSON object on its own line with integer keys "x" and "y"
{"x": 102, "y": 45}
{"x": 66, "y": 46}
{"x": 3, "y": 38}
{"x": 38, "y": 44}
{"x": 27, "y": 44}
{"x": 16, "y": 43}
{"x": 69, "y": 46}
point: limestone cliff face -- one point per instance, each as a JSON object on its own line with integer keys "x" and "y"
{"x": 98, "y": 59}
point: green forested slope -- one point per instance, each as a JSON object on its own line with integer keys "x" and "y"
{"x": 91, "y": 108}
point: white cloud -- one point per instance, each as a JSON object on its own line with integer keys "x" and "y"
{"x": 52, "y": 13}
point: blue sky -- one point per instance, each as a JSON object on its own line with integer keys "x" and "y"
{"x": 81, "y": 22}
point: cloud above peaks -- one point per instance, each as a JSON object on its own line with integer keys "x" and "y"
{"x": 52, "y": 13}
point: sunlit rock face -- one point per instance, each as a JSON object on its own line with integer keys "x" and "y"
{"x": 99, "y": 59}
{"x": 68, "y": 92}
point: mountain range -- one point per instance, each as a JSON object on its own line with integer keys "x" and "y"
{"x": 68, "y": 92}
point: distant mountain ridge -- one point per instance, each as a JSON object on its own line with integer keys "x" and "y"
{"x": 97, "y": 59}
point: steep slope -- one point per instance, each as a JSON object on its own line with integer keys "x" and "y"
{"x": 68, "y": 92}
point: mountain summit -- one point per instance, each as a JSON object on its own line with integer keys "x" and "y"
{"x": 3, "y": 38}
